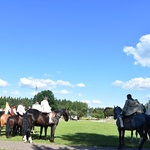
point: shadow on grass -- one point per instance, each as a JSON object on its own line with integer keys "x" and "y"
{"x": 90, "y": 139}
{"x": 94, "y": 140}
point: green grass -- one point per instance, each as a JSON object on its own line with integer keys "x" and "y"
{"x": 84, "y": 133}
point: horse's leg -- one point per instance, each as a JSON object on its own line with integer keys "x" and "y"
{"x": 0, "y": 130}
{"x": 131, "y": 136}
{"x": 20, "y": 130}
{"x": 14, "y": 131}
{"x": 136, "y": 133}
{"x": 143, "y": 138}
{"x": 46, "y": 132}
{"x": 53, "y": 127}
{"x": 121, "y": 139}
{"x": 29, "y": 136}
{"x": 33, "y": 131}
{"x": 41, "y": 130}
{"x": 119, "y": 147}
{"x": 25, "y": 138}
{"x": 123, "y": 132}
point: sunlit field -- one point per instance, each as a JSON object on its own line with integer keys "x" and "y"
{"x": 83, "y": 133}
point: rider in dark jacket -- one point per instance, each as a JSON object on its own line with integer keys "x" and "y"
{"x": 131, "y": 106}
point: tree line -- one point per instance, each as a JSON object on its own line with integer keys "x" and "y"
{"x": 77, "y": 108}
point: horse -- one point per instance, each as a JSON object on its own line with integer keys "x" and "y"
{"x": 3, "y": 121}
{"x": 13, "y": 126}
{"x": 141, "y": 125}
{"x": 4, "y": 117}
{"x": 33, "y": 117}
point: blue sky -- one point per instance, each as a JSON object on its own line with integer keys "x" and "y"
{"x": 89, "y": 51}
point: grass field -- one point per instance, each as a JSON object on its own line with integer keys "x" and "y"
{"x": 84, "y": 133}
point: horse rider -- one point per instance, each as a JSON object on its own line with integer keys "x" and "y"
{"x": 21, "y": 109}
{"x": 13, "y": 110}
{"x": 37, "y": 106}
{"x": 45, "y": 108}
{"x": 132, "y": 106}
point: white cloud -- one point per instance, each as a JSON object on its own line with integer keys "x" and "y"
{"x": 65, "y": 92}
{"x": 65, "y": 83}
{"x": 80, "y": 85}
{"x": 39, "y": 83}
{"x": 3, "y": 83}
{"x": 96, "y": 101}
{"x": 45, "y": 83}
{"x": 135, "y": 83}
{"x": 91, "y": 102}
{"x": 141, "y": 53}
{"x": 86, "y": 101}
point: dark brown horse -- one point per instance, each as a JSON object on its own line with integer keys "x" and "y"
{"x": 4, "y": 117}
{"x": 13, "y": 126}
{"x": 141, "y": 125}
{"x": 34, "y": 117}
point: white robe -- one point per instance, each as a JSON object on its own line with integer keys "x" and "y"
{"x": 21, "y": 109}
{"x": 45, "y": 107}
{"x": 37, "y": 106}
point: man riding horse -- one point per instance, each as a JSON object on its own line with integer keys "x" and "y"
{"x": 132, "y": 106}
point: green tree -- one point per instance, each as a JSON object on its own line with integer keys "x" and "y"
{"x": 51, "y": 99}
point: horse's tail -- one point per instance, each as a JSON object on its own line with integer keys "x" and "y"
{"x": 26, "y": 126}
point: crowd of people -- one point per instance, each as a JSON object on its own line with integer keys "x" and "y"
{"x": 131, "y": 106}
{"x": 44, "y": 107}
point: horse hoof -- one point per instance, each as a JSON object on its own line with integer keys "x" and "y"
{"x": 52, "y": 141}
{"x": 31, "y": 142}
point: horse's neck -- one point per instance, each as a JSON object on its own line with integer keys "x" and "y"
{"x": 58, "y": 113}
{"x": 119, "y": 111}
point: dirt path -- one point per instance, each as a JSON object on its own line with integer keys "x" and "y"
{"x": 12, "y": 145}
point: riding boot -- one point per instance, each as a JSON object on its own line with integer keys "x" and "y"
{"x": 50, "y": 118}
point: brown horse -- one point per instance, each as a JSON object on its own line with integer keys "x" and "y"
{"x": 34, "y": 117}
{"x": 13, "y": 126}
{"x": 4, "y": 117}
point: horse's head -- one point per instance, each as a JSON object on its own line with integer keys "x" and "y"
{"x": 62, "y": 112}
{"x": 117, "y": 111}
{"x": 66, "y": 114}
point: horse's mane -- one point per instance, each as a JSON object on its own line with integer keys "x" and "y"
{"x": 118, "y": 107}
{"x": 59, "y": 110}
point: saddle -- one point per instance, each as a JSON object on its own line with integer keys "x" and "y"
{"x": 130, "y": 119}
